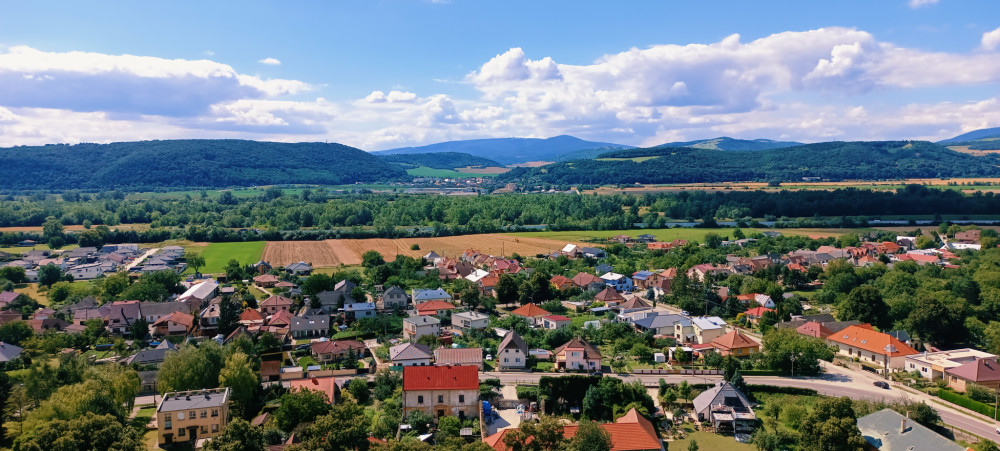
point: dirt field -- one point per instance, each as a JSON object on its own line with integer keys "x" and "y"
{"x": 348, "y": 252}
{"x": 791, "y": 186}
{"x": 978, "y": 153}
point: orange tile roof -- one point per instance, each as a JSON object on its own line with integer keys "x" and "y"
{"x": 734, "y": 340}
{"x": 757, "y": 311}
{"x": 864, "y": 337}
{"x": 608, "y": 295}
{"x": 814, "y": 329}
{"x": 432, "y": 307}
{"x": 530, "y": 310}
{"x": 325, "y": 385}
{"x": 251, "y": 315}
{"x": 632, "y": 432}
{"x": 449, "y": 377}
{"x": 181, "y": 318}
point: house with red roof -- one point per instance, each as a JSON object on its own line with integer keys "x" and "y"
{"x": 325, "y": 385}
{"x": 870, "y": 346}
{"x": 587, "y": 281}
{"x": 736, "y": 344}
{"x": 251, "y": 317}
{"x": 275, "y": 304}
{"x": 554, "y": 322}
{"x": 578, "y": 355}
{"x": 814, "y": 329}
{"x": 609, "y": 296}
{"x": 755, "y": 314}
{"x": 985, "y": 372}
{"x": 333, "y": 350}
{"x": 531, "y": 312}
{"x": 631, "y": 432}
{"x": 177, "y": 323}
{"x": 434, "y": 308}
{"x": 450, "y": 390}
{"x": 561, "y": 282}
{"x": 266, "y": 280}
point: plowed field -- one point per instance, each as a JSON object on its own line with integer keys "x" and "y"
{"x": 348, "y": 252}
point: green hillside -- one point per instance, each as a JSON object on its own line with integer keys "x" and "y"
{"x": 440, "y": 160}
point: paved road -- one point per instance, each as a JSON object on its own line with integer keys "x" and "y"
{"x": 135, "y": 262}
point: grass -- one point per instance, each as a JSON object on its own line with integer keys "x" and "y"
{"x": 218, "y": 254}
{"x": 424, "y": 171}
{"x": 683, "y": 233}
{"x": 579, "y": 320}
{"x": 707, "y": 440}
{"x": 37, "y": 247}
{"x": 545, "y": 366}
{"x": 142, "y": 418}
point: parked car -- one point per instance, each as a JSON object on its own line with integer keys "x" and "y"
{"x": 881, "y": 384}
{"x": 685, "y": 313}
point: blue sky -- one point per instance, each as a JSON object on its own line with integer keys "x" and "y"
{"x": 382, "y": 74}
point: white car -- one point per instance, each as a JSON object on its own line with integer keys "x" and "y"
{"x": 489, "y": 357}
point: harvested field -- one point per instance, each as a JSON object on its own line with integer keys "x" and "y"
{"x": 348, "y": 252}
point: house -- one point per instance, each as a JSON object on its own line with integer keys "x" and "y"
{"x": 434, "y": 308}
{"x": 578, "y": 355}
{"x": 6, "y": 297}
{"x": 699, "y": 272}
{"x": 562, "y": 282}
{"x": 968, "y": 236}
{"x": 153, "y": 311}
{"x": 932, "y": 365}
{"x": 311, "y": 324}
{"x": 201, "y": 292}
{"x": 703, "y": 330}
{"x": 646, "y": 238}
{"x": 393, "y": 298}
{"x": 888, "y": 430}
{"x": 251, "y": 318}
{"x": 512, "y": 353}
{"x": 299, "y": 269}
{"x": 424, "y": 295}
{"x": 121, "y": 316}
{"x": 9, "y": 352}
{"x": 587, "y": 281}
{"x": 726, "y": 409}
{"x": 872, "y": 347}
{"x": 755, "y": 314}
{"x": 645, "y": 279}
{"x": 985, "y": 372}
{"x": 814, "y": 329}
{"x": 359, "y": 310}
{"x": 191, "y": 415}
{"x": 570, "y": 250}
{"x": 42, "y": 325}
{"x": 633, "y": 304}
{"x": 153, "y": 356}
{"x": 531, "y": 312}
{"x": 441, "y": 391}
{"x": 333, "y": 350}
{"x": 410, "y": 354}
{"x": 609, "y": 296}
{"x": 325, "y": 385}
{"x": 86, "y": 271}
{"x": 266, "y": 280}
{"x": 665, "y": 324}
{"x": 415, "y": 327}
{"x": 177, "y": 323}
{"x": 735, "y": 344}
{"x": 275, "y": 303}
{"x": 593, "y": 252}
{"x": 554, "y": 322}
{"x": 619, "y": 282}
{"x": 459, "y": 356}
{"x": 208, "y": 320}
{"x": 470, "y": 320}
{"x": 631, "y": 432}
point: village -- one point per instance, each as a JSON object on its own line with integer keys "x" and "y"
{"x": 485, "y": 339}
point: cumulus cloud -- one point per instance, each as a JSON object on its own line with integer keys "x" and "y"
{"x": 126, "y": 84}
{"x": 991, "y": 39}
{"x": 921, "y": 3}
{"x": 270, "y": 61}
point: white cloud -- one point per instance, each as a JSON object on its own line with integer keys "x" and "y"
{"x": 922, "y": 3}
{"x": 991, "y": 39}
{"x": 270, "y": 61}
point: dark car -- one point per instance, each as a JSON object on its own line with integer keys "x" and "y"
{"x": 881, "y": 384}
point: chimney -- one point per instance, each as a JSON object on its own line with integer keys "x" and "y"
{"x": 902, "y": 423}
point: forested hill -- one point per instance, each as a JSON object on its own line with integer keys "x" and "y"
{"x": 739, "y": 145}
{"x": 510, "y": 150}
{"x": 440, "y": 160}
{"x": 192, "y": 163}
{"x": 831, "y": 160}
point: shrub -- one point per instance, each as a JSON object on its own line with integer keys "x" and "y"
{"x": 970, "y": 404}
{"x": 529, "y": 393}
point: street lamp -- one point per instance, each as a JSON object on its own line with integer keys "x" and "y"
{"x": 792, "y": 358}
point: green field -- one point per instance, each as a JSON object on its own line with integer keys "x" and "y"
{"x": 37, "y": 247}
{"x": 244, "y": 193}
{"x": 218, "y": 254}
{"x": 683, "y": 233}
{"x": 636, "y": 159}
{"x": 424, "y": 171}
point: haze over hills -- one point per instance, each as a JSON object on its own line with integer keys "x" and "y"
{"x": 151, "y": 165}
{"x": 975, "y": 135}
{"x": 511, "y": 150}
{"x": 877, "y": 160}
{"x": 732, "y": 144}
{"x": 440, "y": 160}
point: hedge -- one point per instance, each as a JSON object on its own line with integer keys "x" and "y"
{"x": 527, "y": 392}
{"x": 762, "y": 372}
{"x": 970, "y": 404}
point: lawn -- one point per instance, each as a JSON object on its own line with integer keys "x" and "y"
{"x": 37, "y": 247}
{"x": 683, "y": 233}
{"x": 707, "y": 440}
{"x": 42, "y": 297}
{"x": 579, "y": 320}
{"x": 218, "y": 254}
{"x": 424, "y": 171}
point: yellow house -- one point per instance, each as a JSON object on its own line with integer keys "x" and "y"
{"x": 187, "y": 416}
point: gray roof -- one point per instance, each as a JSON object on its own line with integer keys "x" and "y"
{"x": 882, "y": 431}
{"x": 9, "y": 352}
{"x": 147, "y": 356}
{"x": 409, "y": 351}
{"x": 515, "y": 340}
{"x": 723, "y": 393}
{"x": 359, "y": 306}
{"x": 163, "y": 308}
{"x": 421, "y": 320}
{"x": 394, "y": 291}
{"x": 660, "y": 321}
{"x": 430, "y": 295}
{"x": 194, "y": 399}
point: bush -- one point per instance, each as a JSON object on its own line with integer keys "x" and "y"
{"x": 780, "y": 390}
{"x": 960, "y": 400}
{"x": 414, "y": 247}
{"x": 529, "y": 393}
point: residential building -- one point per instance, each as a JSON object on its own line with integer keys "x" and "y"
{"x": 359, "y": 310}
{"x": 425, "y": 295}
{"x": 153, "y": 311}
{"x": 300, "y": 268}
{"x": 875, "y": 348}
{"x": 664, "y": 324}
{"x": 814, "y": 329}
{"x": 755, "y": 314}
{"x": 459, "y": 356}
{"x": 190, "y": 415}
{"x": 275, "y": 304}
{"x": 736, "y": 344}
{"x": 633, "y": 304}
{"x": 619, "y": 282}
{"x": 588, "y": 282}
{"x": 554, "y": 322}
{"x": 410, "y": 354}
{"x": 470, "y": 320}
{"x": 121, "y": 316}
{"x": 703, "y": 329}
{"x": 631, "y": 432}
{"x": 86, "y": 271}
{"x": 441, "y": 391}
{"x": 985, "y": 372}
{"x": 531, "y": 312}
{"x": 888, "y": 430}
{"x": 932, "y": 365}
{"x": 208, "y": 320}
{"x": 578, "y": 355}
{"x": 415, "y": 327}
{"x": 325, "y": 385}
{"x": 726, "y": 409}
{"x": 331, "y": 351}
{"x": 593, "y": 252}
{"x": 434, "y": 308}
{"x": 177, "y": 323}
{"x": 312, "y": 324}
{"x": 200, "y": 293}
{"x": 609, "y": 296}
{"x": 561, "y": 282}
{"x": 512, "y": 353}
{"x": 266, "y": 280}
{"x": 9, "y": 352}
{"x": 393, "y": 298}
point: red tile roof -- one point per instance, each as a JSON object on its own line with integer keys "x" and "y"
{"x": 530, "y": 311}
{"x": 632, "y": 432}
{"x": 336, "y": 347}
{"x": 325, "y": 385}
{"x": 734, "y": 340}
{"x": 583, "y": 279}
{"x": 608, "y": 295}
{"x": 181, "y": 318}
{"x": 864, "y": 337}
{"x": 251, "y": 315}
{"x": 432, "y": 307}
{"x": 982, "y": 370}
{"x": 266, "y": 278}
{"x": 276, "y": 301}
{"x": 814, "y": 329}
{"x": 757, "y": 312}
{"x": 557, "y": 318}
{"x": 440, "y": 378}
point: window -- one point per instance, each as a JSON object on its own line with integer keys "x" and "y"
{"x": 440, "y": 413}
{"x": 215, "y": 428}
{"x": 167, "y": 424}
{"x": 204, "y": 430}
{"x": 204, "y": 413}
{"x": 215, "y": 413}
{"x": 192, "y": 415}
{"x": 505, "y": 360}
{"x": 517, "y": 359}
{"x": 461, "y": 398}
{"x": 440, "y": 399}
{"x": 420, "y": 399}
{"x": 180, "y": 432}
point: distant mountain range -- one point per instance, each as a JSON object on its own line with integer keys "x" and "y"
{"x": 511, "y": 150}
{"x": 731, "y": 144}
{"x": 439, "y": 160}
{"x": 975, "y": 135}
{"x": 188, "y": 163}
